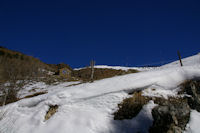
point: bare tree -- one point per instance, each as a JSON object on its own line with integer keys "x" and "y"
{"x": 92, "y": 63}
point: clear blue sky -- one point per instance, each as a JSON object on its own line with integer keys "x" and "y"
{"x": 112, "y": 32}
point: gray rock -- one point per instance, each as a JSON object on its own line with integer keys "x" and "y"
{"x": 170, "y": 116}
{"x": 192, "y": 88}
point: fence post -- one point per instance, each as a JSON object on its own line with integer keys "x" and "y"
{"x": 179, "y": 56}
{"x": 92, "y": 63}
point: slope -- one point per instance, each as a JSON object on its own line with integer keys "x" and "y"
{"x": 89, "y": 107}
{"x": 189, "y": 61}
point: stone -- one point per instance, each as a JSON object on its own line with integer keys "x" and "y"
{"x": 170, "y": 116}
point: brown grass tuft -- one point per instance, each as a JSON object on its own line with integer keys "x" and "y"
{"x": 52, "y": 110}
{"x": 35, "y": 94}
{"x": 130, "y": 107}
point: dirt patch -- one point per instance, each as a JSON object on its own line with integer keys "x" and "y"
{"x": 52, "y": 110}
{"x": 130, "y": 107}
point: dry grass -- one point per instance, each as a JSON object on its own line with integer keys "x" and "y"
{"x": 35, "y": 94}
{"x": 52, "y": 110}
{"x": 99, "y": 73}
{"x": 11, "y": 97}
{"x": 130, "y": 107}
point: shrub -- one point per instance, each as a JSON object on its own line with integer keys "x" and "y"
{"x": 2, "y": 53}
{"x": 9, "y": 97}
{"x": 16, "y": 56}
{"x": 9, "y": 55}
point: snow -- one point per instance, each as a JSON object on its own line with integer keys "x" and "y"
{"x": 189, "y": 61}
{"x": 157, "y": 91}
{"x": 193, "y": 125}
{"x": 35, "y": 87}
{"x": 122, "y": 68}
{"x": 89, "y": 107}
{"x": 140, "y": 123}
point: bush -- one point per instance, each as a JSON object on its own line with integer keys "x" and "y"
{"x": 2, "y": 53}
{"x": 16, "y": 56}
{"x": 9, "y": 97}
{"x": 12, "y": 96}
{"x": 9, "y": 55}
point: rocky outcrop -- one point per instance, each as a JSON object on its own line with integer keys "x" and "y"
{"x": 192, "y": 88}
{"x": 170, "y": 116}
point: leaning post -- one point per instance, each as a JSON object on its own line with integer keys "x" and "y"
{"x": 179, "y": 56}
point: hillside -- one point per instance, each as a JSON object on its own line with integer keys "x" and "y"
{"x": 189, "y": 61}
{"x": 16, "y": 63}
{"x": 75, "y": 107}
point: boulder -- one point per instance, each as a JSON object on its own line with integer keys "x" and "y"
{"x": 170, "y": 116}
{"x": 192, "y": 88}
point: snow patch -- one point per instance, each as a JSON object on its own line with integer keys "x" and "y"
{"x": 193, "y": 125}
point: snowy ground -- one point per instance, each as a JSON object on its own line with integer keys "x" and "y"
{"x": 193, "y": 125}
{"x": 123, "y": 68}
{"x": 35, "y": 87}
{"x": 89, "y": 107}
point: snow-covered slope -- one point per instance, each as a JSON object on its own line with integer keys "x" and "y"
{"x": 122, "y": 68}
{"x": 189, "y": 61}
{"x": 89, "y": 107}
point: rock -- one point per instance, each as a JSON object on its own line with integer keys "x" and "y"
{"x": 192, "y": 88}
{"x": 174, "y": 129}
{"x": 170, "y": 116}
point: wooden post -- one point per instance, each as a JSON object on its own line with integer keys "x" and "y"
{"x": 5, "y": 97}
{"x": 92, "y": 63}
{"x": 179, "y": 56}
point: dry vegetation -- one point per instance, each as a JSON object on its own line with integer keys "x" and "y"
{"x": 35, "y": 94}
{"x": 16, "y": 69}
{"x": 52, "y": 110}
{"x": 99, "y": 73}
{"x": 15, "y": 65}
{"x": 130, "y": 107}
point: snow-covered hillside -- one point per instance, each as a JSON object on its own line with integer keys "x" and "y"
{"x": 122, "y": 68}
{"x": 189, "y": 61}
{"x": 89, "y": 107}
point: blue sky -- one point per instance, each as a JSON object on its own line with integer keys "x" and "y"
{"x": 119, "y": 32}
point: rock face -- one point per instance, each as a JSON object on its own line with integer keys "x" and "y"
{"x": 192, "y": 88}
{"x": 170, "y": 116}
